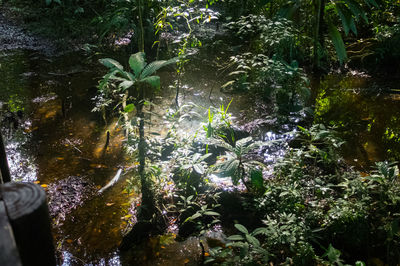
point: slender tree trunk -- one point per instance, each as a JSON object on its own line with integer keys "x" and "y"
{"x": 318, "y": 46}
{"x": 141, "y": 41}
{"x": 318, "y": 34}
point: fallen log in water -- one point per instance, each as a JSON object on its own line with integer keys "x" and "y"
{"x": 112, "y": 182}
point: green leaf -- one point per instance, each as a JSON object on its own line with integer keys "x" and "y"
{"x": 199, "y": 168}
{"x": 193, "y": 217}
{"x": 228, "y": 167}
{"x": 129, "y": 108}
{"x": 260, "y": 230}
{"x": 211, "y": 213}
{"x": 156, "y": 65}
{"x": 202, "y": 158}
{"x": 125, "y": 84}
{"x": 337, "y": 42}
{"x": 252, "y": 240}
{"x": 153, "y": 81}
{"x": 356, "y": 9}
{"x": 235, "y": 238}
{"x": 111, "y": 63}
{"x": 346, "y": 18}
{"x": 137, "y": 62}
{"x": 242, "y": 229}
{"x": 256, "y": 178}
{"x": 48, "y": 2}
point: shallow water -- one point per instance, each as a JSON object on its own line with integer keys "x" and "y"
{"x": 365, "y": 110}
{"x": 59, "y": 137}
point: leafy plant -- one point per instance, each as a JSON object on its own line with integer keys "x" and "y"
{"x": 235, "y": 163}
{"x": 129, "y": 82}
{"x": 131, "y": 86}
{"x": 283, "y": 84}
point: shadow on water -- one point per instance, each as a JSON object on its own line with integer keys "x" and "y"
{"x": 366, "y": 111}
{"x": 52, "y": 135}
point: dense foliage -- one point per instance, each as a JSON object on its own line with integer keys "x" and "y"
{"x": 309, "y": 208}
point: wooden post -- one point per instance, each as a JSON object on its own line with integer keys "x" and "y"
{"x": 28, "y": 214}
{"x": 8, "y": 250}
{"x": 5, "y": 171}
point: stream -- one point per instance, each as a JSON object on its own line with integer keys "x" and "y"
{"x": 54, "y": 139}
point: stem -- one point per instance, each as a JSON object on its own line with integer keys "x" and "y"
{"x": 148, "y": 208}
{"x": 126, "y": 118}
{"x": 141, "y": 43}
{"x": 181, "y": 64}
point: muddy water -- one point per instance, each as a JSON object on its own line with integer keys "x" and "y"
{"x": 366, "y": 111}
{"x": 54, "y": 139}
{"x": 58, "y": 137}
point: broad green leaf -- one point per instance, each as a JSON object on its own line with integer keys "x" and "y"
{"x": 193, "y": 217}
{"x": 252, "y": 240}
{"x": 199, "y": 168}
{"x": 242, "y": 229}
{"x": 228, "y": 167}
{"x": 137, "y": 62}
{"x": 243, "y": 142}
{"x": 129, "y": 108}
{"x": 156, "y": 65}
{"x": 260, "y": 230}
{"x": 235, "y": 238}
{"x": 153, "y": 81}
{"x": 111, "y": 63}
{"x": 125, "y": 84}
{"x": 337, "y": 42}
{"x": 256, "y": 178}
{"x": 48, "y": 2}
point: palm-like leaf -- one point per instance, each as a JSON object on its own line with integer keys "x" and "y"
{"x": 346, "y": 18}
{"x": 153, "y": 81}
{"x": 126, "y": 84}
{"x": 111, "y": 63}
{"x": 156, "y": 65}
{"x": 337, "y": 42}
{"x": 137, "y": 62}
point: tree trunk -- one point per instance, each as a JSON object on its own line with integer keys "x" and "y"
{"x": 141, "y": 41}
{"x": 318, "y": 34}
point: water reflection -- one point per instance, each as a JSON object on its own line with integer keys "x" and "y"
{"x": 366, "y": 112}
